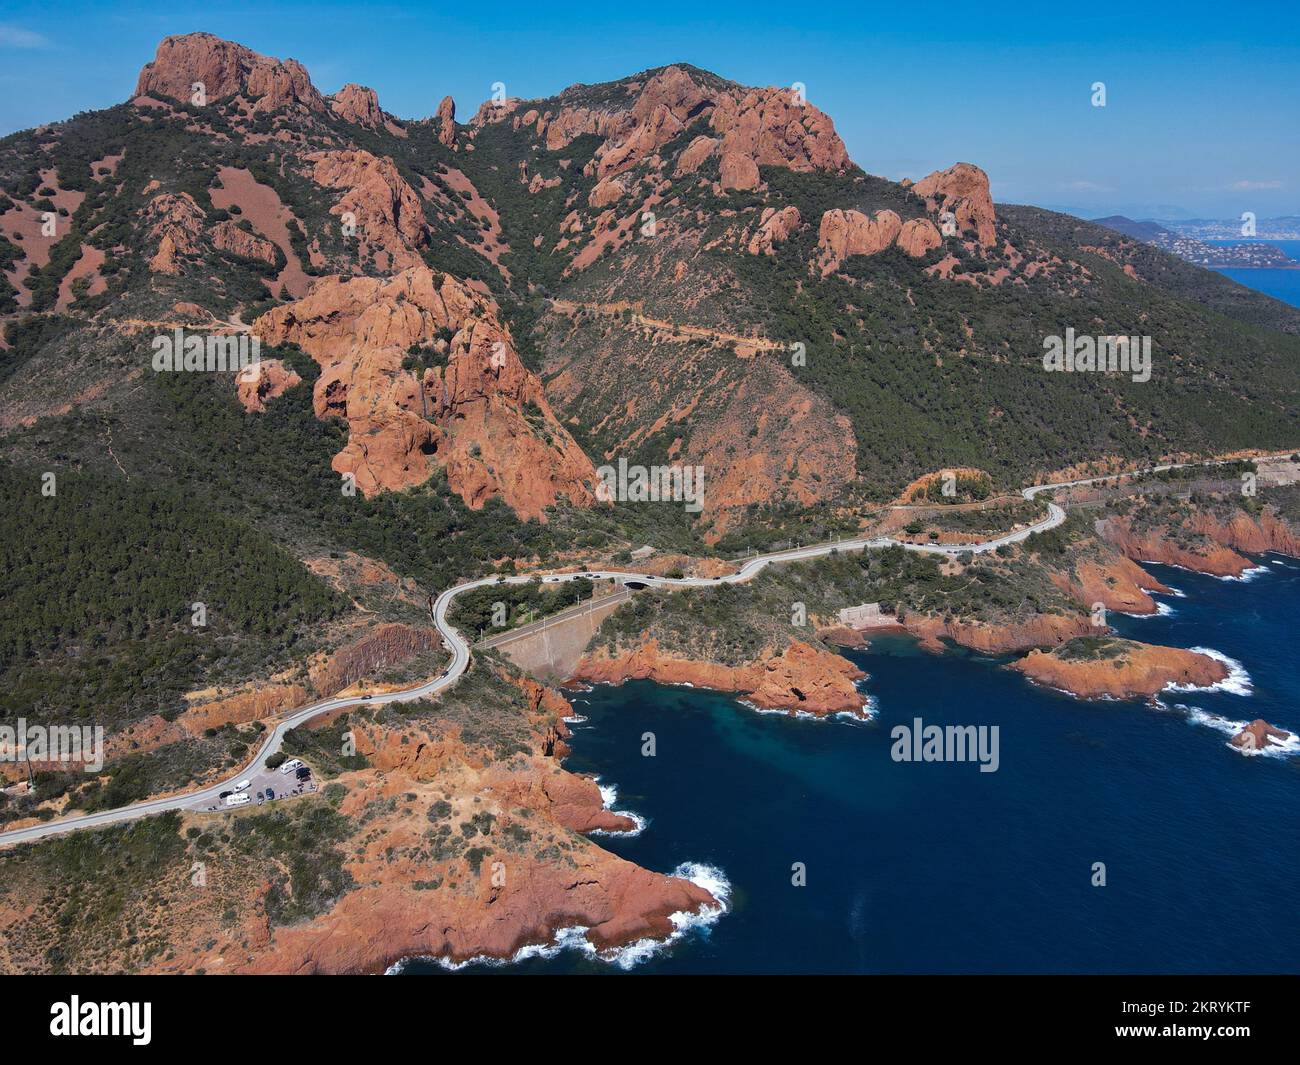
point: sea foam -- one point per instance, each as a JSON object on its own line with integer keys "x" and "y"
{"x": 709, "y": 877}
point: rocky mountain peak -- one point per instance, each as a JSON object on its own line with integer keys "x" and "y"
{"x": 225, "y": 68}
{"x": 359, "y": 104}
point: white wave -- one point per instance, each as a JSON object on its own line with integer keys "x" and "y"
{"x": 868, "y": 712}
{"x": 1237, "y": 681}
{"x": 574, "y": 937}
{"x": 1196, "y": 716}
{"x": 608, "y": 797}
{"x": 1177, "y": 593}
{"x": 1163, "y": 610}
{"x": 1247, "y": 574}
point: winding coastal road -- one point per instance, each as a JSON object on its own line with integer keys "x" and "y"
{"x": 460, "y": 648}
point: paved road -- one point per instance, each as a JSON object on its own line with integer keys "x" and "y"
{"x": 461, "y": 650}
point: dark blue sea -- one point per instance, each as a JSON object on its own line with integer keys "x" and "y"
{"x": 1280, "y": 284}
{"x": 938, "y": 868}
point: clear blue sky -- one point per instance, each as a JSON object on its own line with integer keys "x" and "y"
{"x": 1203, "y": 103}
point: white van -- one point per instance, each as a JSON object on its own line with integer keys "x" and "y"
{"x": 243, "y": 785}
{"x": 236, "y": 800}
{"x": 291, "y": 765}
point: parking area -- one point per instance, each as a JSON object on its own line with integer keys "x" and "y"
{"x": 286, "y": 781}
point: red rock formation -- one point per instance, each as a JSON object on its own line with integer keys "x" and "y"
{"x": 918, "y": 236}
{"x": 358, "y": 104}
{"x": 446, "y": 121}
{"x": 737, "y": 171}
{"x": 603, "y": 193}
{"x": 1258, "y": 735}
{"x": 1118, "y": 583}
{"x": 1157, "y": 546}
{"x": 175, "y": 221}
{"x": 1140, "y": 670}
{"x": 473, "y": 414}
{"x": 387, "y": 211}
{"x": 1044, "y": 630}
{"x": 754, "y": 127}
{"x": 801, "y": 678}
{"x": 226, "y": 69}
{"x": 228, "y": 236}
{"x": 262, "y": 381}
{"x": 964, "y": 190}
{"x": 845, "y": 233}
{"x": 774, "y": 227}
{"x": 695, "y": 154}
{"x": 388, "y": 645}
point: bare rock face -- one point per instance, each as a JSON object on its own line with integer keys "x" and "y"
{"x": 752, "y": 128}
{"x": 262, "y": 381}
{"x": 446, "y": 120}
{"x": 604, "y": 193}
{"x": 227, "y": 69}
{"x": 1123, "y": 670}
{"x": 774, "y": 227}
{"x": 694, "y": 155}
{"x": 481, "y": 414}
{"x": 228, "y": 236}
{"x": 358, "y": 104}
{"x": 846, "y": 233}
{"x": 964, "y": 190}
{"x": 387, "y": 212}
{"x": 175, "y": 221}
{"x": 918, "y": 236}
{"x": 738, "y": 171}
{"x": 801, "y": 679}
{"x": 1258, "y": 735}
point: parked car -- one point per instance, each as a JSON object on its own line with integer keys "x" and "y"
{"x": 270, "y": 794}
{"x": 243, "y": 785}
{"x": 303, "y": 773}
{"x": 237, "y": 800}
{"x": 291, "y": 765}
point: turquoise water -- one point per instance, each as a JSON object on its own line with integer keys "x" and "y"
{"x": 936, "y": 867}
{"x": 1280, "y": 284}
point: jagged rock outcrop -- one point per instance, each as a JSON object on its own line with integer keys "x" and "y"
{"x": 737, "y": 171}
{"x": 1258, "y": 735}
{"x": 1115, "y": 581}
{"x": 801, "y": 679}
{"x": 446, "y": 122}
{"x": 480, "y": 413}
{"x": 1155, "y": 545}
{"x": 962, "y": 189}
{"x": 1120, "y": 669}
{"x": 228, "y": 236}
{"x": 918, "y": 236}
{"x": 845, "y": 233}
{"x": 604, "y": 193}
{"x": 774, "y": 227}
{"x": 751, "y": 127}
{"x": 174, "y": 221}
{"x": 226, "y": 69}
{"x": 1042, "y": 630}
{"x": 388, "y": 645}
{"x": 388, "y": 213}
{"x": 262, "y": 381}
{"x": 358, "y": 104}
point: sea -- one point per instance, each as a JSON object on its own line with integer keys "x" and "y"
{"x": 1280, "y": 284}
{"x": 1114, "y": 837}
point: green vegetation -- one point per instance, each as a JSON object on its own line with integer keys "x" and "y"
{"x": 100, "y": 584}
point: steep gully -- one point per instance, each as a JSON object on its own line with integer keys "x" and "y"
{"x": 460, "y": 648}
